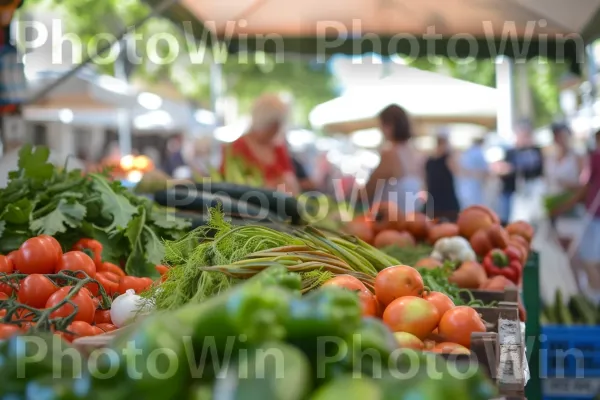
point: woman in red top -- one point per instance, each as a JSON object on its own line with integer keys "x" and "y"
{"x": 263, "y": 145}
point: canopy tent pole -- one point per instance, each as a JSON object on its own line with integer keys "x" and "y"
{"x": 504, "y": 84}
{"x": 163, "y": 6}
{"x": 591, "y": 92}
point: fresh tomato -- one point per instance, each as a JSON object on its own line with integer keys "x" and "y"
{"x": 132, "y": 282}
{"x": 77, "y": 261}
{"x": 522, "y": 229}
{"x": 346, "y": 281}
{"x": 408, "y": 341}
{"x": 26, "y": 326}
{"x": 92, "y": 247}
{"x": 54, "y": 243}
{"x": 3, "y": 296}
{"x": 102, "y": 317}
{"x": 6, "y": 289}
{"x": 459, "y": 323}
{"x": 398, "y": 281}
{"x": 450, "y": 348}
{"x": 12, "y": 256}
{"x": 97, "y": 331}
{"x": 413, "y": 315}
{"x": 110, "y": 267}
{"x": 78, "y": 329}
{"x": 6, "y": 265}
{"x": 442, "y": 302}
{"x": 8, "y": 330}
{"x": 82, "y": 299}
{"x": 108, "y": 280}
{"x": 35, "y": 290}
{"x": 107, "y": 327}
{"x": 37, "y": 255}
{"x": 367, "y": 299}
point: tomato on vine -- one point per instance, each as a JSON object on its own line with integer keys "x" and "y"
{"x": 35, "y": 290}
{"x": 102, "y": 317}
{"x": 54, "y": 244}
{"x": 37, "y": 255}
{"x": 78, "y": 329}
{"x": 6, "y": 265}
{"x": 83, "y": 300}
{"x": 8, "y": 330}
{"x": 77, "y": 261}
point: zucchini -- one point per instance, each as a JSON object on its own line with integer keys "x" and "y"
{"x": 284, "y": 205}
{"x": 586, "y": 314}
{"x": 562, "y": 313}
{"x": 192, "y": 200}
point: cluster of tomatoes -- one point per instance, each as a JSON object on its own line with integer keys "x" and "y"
{"x": 420, "y": 319}
{"x": 33, "y": 276}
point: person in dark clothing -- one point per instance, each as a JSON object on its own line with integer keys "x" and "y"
{"x": 523, "y": 163}
{"x": 442, "y": 201}
{"x": 174, "y": 158}
{"x": 306, "y": 184}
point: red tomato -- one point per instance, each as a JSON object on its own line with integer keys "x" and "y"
{"x": 413, "y": 315}
{"x": 459, "y": 323}
{"x": 6, "y": 265}
{"x": 6, "y": 289}
{"x": 12, "y": 256}
{"x": 82, "y": 299}
{"x": 78, "y": 329}
{"x": 35, "y": 290}
{"x": 450, "y": 348}
{"x": 77, "y": 261}
{"x": 102, "y": 317}
{"x": 97, "y": 331}
{"x": 8, "y": 330}
{"x": 108, "y": 280}
{"x": 36, "y": 256}
{"x": 3, "y": 296}
{"x": 54, "y": 243}
{"x": 110, "y": 267}
{"x": 26, "y": 326}
{"x": 367, "y": 299}
{"x": 135, "y": 283}
{"x": 394, "y": 282}
{"x": 107, "y": 327}
{"x": 409, "y": 341}
{"x": 442, "y": 302}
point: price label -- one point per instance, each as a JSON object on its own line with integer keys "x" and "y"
{"x": 571, "y": 386}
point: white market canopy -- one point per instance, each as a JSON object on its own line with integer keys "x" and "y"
{"x": 425, "y": 95}
{"x": 310, "y": 26}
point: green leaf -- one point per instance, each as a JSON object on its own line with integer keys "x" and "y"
{"x": 114, "y": 247}
{"x": 34, "y": 162}
{"x": 167, "y": 220}
{"x": 18, "y": 213}
{"x": 12, "y": 241}
{"x": 64, "y": 215}
{"x": 136, "y": 264}
{"x": 2, "y": 227}
{"x": 154, "y": 248}
{"x": 115, "y": 207}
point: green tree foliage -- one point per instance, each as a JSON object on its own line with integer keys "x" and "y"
{"x": 246, "y": 76}
{"x": 543, "y": 76}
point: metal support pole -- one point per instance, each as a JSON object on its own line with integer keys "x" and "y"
{"x": 504, "y": 84}
{"x": 156, "y": 11}
{"x": 217, "y": 91}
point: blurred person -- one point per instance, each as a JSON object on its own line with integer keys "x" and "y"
{"x": 174, "y": 158}
{"x": 473, "y": 170}
{"x": 263, "y": 145}
{"x": 588, "y": 246}
{"x": 398, "y": 177}
{"x": 304, "y": 180}
{"x": 523, "y": 166}
{"x": 440, "y": 168}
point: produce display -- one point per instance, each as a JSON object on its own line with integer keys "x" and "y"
{"x": 577, "y": 310}
{"x": 41, "y": 199}
{"x": 475, "y": 253}
{"x": 276, "y": 346}
{"x": 43, "y": 289}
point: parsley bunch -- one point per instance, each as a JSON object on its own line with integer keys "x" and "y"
{"x": 69, "y": 205}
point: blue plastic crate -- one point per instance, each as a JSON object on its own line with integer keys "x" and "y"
{"x": 570, "y": 351}
{"x": 570, "y": 388}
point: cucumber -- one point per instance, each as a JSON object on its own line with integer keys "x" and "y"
{"x": 562, "y": 313}
{"x": 587, "y": 314}
{"x": 193, "y": 200}
{"x": 284, "y": 205}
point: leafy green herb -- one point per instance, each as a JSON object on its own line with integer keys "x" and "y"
{"x": 43, "y": 199}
